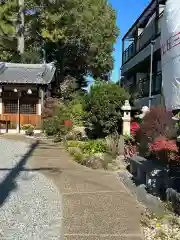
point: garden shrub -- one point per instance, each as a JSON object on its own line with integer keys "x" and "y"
{"x": 73, "y": 144}
{"x": 88, "y": 153}
{"x": 130, "y": 147}
{"x": 59, "y": 124}
{"x": 49, "y": 107}
{"x": 51, "y": 126}
{"x": 77, "y": 114}
{"x": 155, "y": 123}
{"x": 158, "y": 122}
{"x": 103, "y": 104}
{"x": 164, "y": 149}
{"x": 78, "y": 157}
{"x": 89, "y": 147}
{"x": 76, "y": 108}
{"x": 93, "y": 146}
{"x": 134, "y": 128}
{"x": 112, "y": 142}
{"x": 29, "y": 129}
{"x": 58, "y": 117}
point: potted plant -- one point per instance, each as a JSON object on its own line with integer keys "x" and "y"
{"x": 29, "y": 129}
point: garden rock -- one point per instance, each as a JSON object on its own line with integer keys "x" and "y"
{"x": 174, "y": 197}
{"x": 95, "y": 162}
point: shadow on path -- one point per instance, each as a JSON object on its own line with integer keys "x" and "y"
{"x": 50, "y": 169}
{"x": 9, "y": 182}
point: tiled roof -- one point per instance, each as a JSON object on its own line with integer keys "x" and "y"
{"x": 26, "y": 73}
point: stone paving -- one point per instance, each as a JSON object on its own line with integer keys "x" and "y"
{"x": 96, "y": 206}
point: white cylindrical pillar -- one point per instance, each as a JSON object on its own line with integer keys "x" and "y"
{"x": 40, "y": 101}
{"x": 39, "y": 107}
{"x": 0, "y": 105}
{"x": 18, "y": 113}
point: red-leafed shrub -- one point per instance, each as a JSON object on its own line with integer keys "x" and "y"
{"x": 164, "y": 149}
{"x": 134, "y": 128}
{"x": 162, "y": 143}
{"x": 158, "y": 122}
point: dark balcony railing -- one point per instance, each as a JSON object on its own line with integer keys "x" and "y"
{"x": 129, "y": 53}
{"x": 133, "y": 49}
{"x": 156, "y": 85}
{"x": 146, "y": 36}
{"x": 142, "y": 41}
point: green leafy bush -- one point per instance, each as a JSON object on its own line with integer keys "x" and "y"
{"x": 51, "y": 126}
{"x": 55, "y": 125}
{"x": 77, "y": 114}
{"x": 94, "y": 146}
{"x": 77, "y": 109}
{"x": 103, "y": 104}
{"x": 73, "y": 144}
{"x": 89, "y": 147}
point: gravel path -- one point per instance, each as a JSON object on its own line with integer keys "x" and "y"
{"x": 32, "y": 208}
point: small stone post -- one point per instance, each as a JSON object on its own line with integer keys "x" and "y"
{"x": 126, "y": 108}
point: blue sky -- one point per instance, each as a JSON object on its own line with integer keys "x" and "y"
{"x": 127, "y": 13}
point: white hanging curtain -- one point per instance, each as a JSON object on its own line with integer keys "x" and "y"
{"x": 170, "y": 52}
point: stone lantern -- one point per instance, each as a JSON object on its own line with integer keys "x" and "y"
{"x": 126, "y": 108}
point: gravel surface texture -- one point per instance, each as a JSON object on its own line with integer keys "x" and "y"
{"x": 30, "y": 205}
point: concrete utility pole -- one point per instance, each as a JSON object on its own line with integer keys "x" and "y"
{"x": 151, "y": 72}
{"x": 21, "y": 27}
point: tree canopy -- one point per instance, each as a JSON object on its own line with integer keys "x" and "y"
{"x": 78, "y": 35}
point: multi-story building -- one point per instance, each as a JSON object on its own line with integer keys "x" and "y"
{"x": 138, "y": 44}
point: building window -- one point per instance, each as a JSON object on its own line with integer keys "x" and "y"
{"x": 11, "y": 107}
{"x": 28, "y": 108}
{"x": 158, "y": 83}
{"x": 144, "y": 87}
